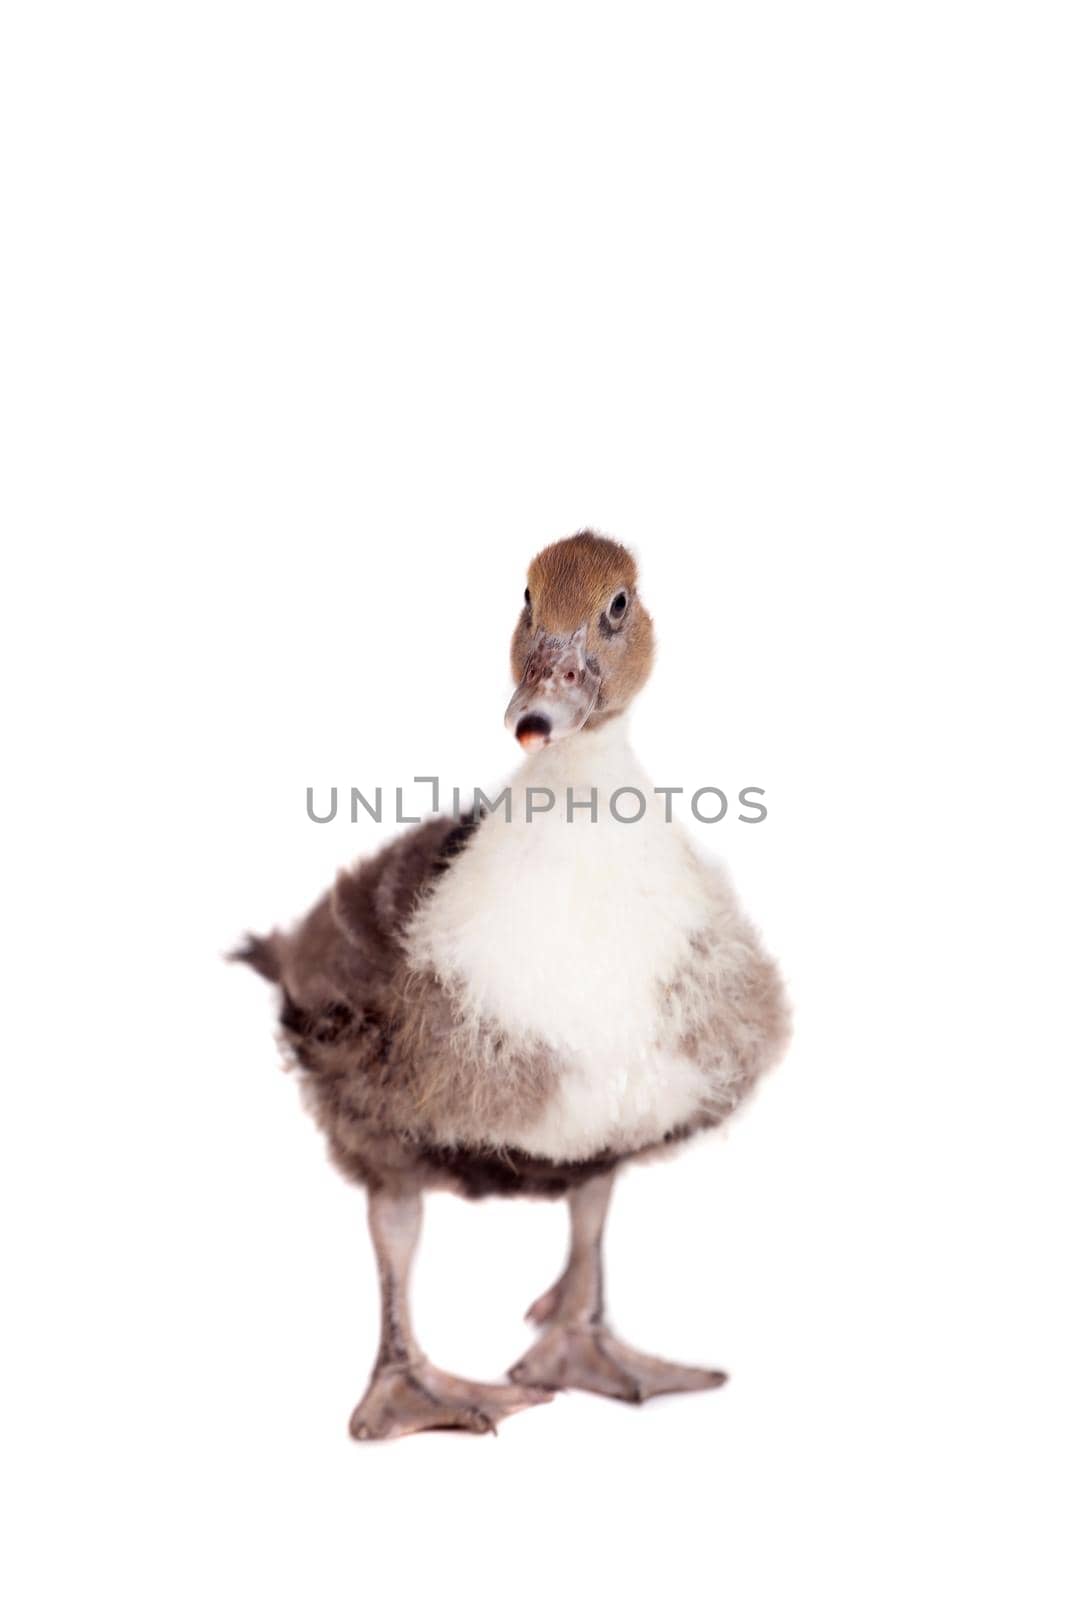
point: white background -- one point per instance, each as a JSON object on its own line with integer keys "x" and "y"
{"x": 319, "y": 321}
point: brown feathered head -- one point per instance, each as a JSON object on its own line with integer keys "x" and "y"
{"x": 583, "y": 644}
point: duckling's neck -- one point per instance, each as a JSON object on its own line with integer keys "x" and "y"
{"x": 594, "y": 757}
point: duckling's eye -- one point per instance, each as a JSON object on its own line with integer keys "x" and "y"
{"x": 526, "y": 598}
{"x": 618, "y": 604}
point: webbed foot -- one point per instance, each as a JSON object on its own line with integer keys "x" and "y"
{"x": 415, "y": 1396}
{"x": 587, "y": 1356}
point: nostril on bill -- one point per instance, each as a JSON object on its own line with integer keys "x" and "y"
{"x": 532, "y": 731}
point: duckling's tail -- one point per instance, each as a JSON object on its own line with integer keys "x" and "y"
{"x": 262, "y": 955}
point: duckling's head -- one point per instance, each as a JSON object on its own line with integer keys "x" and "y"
{"x": 584, "y": 643}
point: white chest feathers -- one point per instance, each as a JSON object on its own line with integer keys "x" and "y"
{"x": 568, "y": 930}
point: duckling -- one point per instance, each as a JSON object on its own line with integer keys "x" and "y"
{"x": 522, "y": 1001}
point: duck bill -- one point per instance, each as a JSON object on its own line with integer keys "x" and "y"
{"x": 557, "y": 692}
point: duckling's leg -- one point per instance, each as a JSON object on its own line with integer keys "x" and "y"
{"x": 577, "y": 1351}
{"x": 406, "y": 1394}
